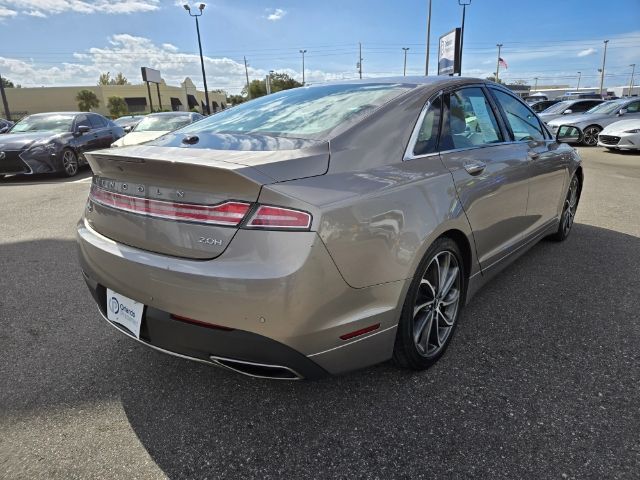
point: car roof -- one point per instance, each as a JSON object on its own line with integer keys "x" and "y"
{"x": 62, "y": 113}
{"x": 416, "y": 81}
{"x": 170, "y": 114}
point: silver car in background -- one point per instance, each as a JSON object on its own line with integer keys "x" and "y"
{"x": 325, "y": 228}
{"x": 567, "y": 107}
{"x": 593, "y": 121}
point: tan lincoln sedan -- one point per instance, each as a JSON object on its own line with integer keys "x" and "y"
{"x": 325, "y": 228}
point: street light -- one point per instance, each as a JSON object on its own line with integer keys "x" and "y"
{"x": 464, "y": 4}
{"x": 204, "y": 77}
{"x": 535, "y": 86}
{"x": 406, "y": 49}
{"x": 426, "y": 67}
{"x": 499, "y": 45}
{"x": 633, "y": 70}
{"x": 579, "y": 75}
{"x": 303, "y": 52}
{"x": 604, "y": 61}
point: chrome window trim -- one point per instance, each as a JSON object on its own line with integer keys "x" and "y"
{"x": 408, "y": 154}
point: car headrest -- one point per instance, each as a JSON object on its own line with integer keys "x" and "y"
{"x": 457, "y": 122}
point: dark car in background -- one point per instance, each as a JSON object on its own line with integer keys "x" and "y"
{"x": 542, "y": 105}
{"x": 54, "y": 142}
{"x": 5, "y": 125}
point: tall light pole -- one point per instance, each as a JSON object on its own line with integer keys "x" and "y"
{"x": 246, "y": 73}
{"x": 426, "y": 67}
{"x": 579, "y": 75}
{"x": 204, "y": 77}
{"x": 360, "y": 60}
{"x": 633, "y": 70}
{"x": 406, "y": 49}
{"x": 499, "y": 45}
{"x": 604, "y": 61}
{"x": 535, "y": 85}
{"x": 464, "y": 4}
{"x": 303, "y": 52}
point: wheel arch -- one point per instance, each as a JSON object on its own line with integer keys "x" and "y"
{"x": 464, "y": 245}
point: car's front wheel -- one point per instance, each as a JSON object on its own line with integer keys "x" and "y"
{"x": 69, "y": 163}
{"x": 590, "y": 135}
{"x": 432, "y": 307}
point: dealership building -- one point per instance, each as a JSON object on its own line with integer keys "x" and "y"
{"x": 139, "y": 98}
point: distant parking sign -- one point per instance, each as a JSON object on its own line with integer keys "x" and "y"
{"x": 449, "y": 53}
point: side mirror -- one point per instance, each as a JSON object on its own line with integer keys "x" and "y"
{"x": 567, "y": 111}
{"x": 622, "y": 111}
{"x": 82, "y": 129}
{"x": 128, "y": 128}
{"x": 568, "y": 134}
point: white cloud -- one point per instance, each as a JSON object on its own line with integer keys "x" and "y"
{"x": 42, "y": 8}
{"x": 6, "y": 13}
{"x": 275, "y": 14}
{"x": 35, "y": 13}
{"x": 586, "y": 52}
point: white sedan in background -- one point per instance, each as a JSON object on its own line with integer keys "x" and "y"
{"x": 622, "y": 135}
{"x": 155, "y": 125}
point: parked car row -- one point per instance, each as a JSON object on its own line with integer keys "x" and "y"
{"x": 57, "y": 142}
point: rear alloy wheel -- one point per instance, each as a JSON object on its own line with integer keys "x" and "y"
{"x": 69, "y": 163}
{"x": 568, "y": 211}
{"x": 590, "y": 135}
{"x": 432, "y": 307}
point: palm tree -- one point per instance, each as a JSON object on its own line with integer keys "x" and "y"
{"x": 87, "y": 100}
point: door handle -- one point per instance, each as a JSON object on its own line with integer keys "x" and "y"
{"x": 474, "y": 168}
{"x": 533, "y": 155}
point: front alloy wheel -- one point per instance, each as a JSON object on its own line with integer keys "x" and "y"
{"x": 69, "y": 163}
{"x": 591, "y": 135}
{"x": 432, "y": 307}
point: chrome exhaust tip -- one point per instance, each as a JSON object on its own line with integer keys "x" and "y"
{"x": 257, "y": 370}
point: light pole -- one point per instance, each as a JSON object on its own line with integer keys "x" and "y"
{"x": 464, "y": 4}
{"x": 426, "y": 67}
{"x": 535, "y": 85}
{"x": 579, "y": 75}
{"x": 633, "y": 70}
{"x": 204, "y": 77}
{"x": 303, "y": 52}
{"x": 406, "y": 49}
{"x": 604, "y": 61}
{"x": 359, "y": 64}
{"x": 499, "y": 45}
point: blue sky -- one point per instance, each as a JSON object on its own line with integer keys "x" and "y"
{"x": 57, "y": 42}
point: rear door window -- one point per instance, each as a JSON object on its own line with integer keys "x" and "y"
{"x": 468, "y": 120}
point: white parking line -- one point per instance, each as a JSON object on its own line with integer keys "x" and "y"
{"x": 82, "y": 180}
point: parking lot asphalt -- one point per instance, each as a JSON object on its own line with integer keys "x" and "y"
{"x": 541, "y": 381}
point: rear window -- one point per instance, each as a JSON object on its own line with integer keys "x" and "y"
{"x": 306, "y": 112}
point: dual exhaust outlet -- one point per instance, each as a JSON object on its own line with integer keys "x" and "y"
{"x": 257, "y": 370}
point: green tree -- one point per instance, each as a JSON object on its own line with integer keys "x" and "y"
{"x": 493, "y": 79}
{"x": 87, "y": 100}
{"x": 119, "y": 79}
{"x": 117, "y": 106}
{"x": 279, "y": 82}
{"x": 236, "y": 99}
{"x": 6, "y": 83}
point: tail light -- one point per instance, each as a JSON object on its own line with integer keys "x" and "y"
{"x": 228, "y": 213}
{"x": 269, "y": 217}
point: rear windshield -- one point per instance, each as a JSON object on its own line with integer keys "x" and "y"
{"x": 306, "y": 112}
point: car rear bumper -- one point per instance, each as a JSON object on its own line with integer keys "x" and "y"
{"x": 279, "y": 292}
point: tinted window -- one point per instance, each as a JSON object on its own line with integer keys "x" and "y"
{"x": 581, "y": 106}
{"x": 633, "y": 107}
{"x": 97, "y": 121}
{"x": 523, "y": 122}
{"x": 427, "y": 140}
{"x": 307, "y": 112}
{"x": 468, "y": 121}
{"x": 83, "y": 120}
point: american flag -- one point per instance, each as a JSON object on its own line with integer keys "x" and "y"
{"x": 502, "y": 63}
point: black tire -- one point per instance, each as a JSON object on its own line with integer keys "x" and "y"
{"x": 408, "y": 351}
{"x": 590, "y": 135}
{"x": 69, "y": 164}
{"x": 568, "y": 210}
